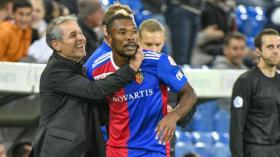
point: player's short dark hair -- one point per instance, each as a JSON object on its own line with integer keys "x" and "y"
{"x": 258, "y": 39}
{"x": 21, "y": 4}
{"x": 114, "y": 18}
{"x": 234, "y": 35}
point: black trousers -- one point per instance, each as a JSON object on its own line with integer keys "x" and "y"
{"x": 262, "y": 150}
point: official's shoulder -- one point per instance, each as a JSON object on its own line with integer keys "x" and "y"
{"x": 249, "y": 74}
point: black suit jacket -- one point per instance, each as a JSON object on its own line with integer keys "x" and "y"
{"x": 69, "y": 125}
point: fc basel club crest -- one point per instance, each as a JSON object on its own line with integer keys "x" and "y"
{"x": 139, "y": 77}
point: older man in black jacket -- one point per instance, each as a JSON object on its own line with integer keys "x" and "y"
{"x": 67, "y": 127}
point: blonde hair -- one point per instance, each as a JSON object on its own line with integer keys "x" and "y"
{"x": 116, "y": 9}
{"x": 150, "y": 25}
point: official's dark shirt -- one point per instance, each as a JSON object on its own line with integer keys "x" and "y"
{"x": 254, "y": 111}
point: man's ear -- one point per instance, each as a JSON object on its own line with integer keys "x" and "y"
{"x": 104, "y": 29}
{"x": 56, "y": 45}
{"x": 109, "y": 39}
{"x": 258, "y": 51}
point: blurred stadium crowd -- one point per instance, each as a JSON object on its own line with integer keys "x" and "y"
{"x": 200, "y": 34}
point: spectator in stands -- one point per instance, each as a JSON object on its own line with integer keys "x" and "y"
{"x": 3, "y": 152}
{"x": 39, "y": 51}
{"x": 69, "y": 125}
{"x": 54, "y": 9}
{"x": 182, "y": 17}
{"x": 21, "y": 149}
{"x": 156, "y": 9}
{"x": 272, "y": 14}
{"x": 216, "y": 22}
{"x": 72, "y": 5}
{"x": 63, "y": 10}
{"x": 254, "y": 126}
{"x": 235, "y": 52}
{"x": 152, "y": 35}
{"x": 15, "y": 36}
{"x": 210, "y": 33}
{"x": 90, "y": 17}
{"x": 38, "y": 16}
{"x": 5, "y": 6}
{"x": 217, "y": 13}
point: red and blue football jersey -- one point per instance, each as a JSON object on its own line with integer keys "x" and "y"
{"x": 136, "y": 109}
{"x": 101, "y": 50}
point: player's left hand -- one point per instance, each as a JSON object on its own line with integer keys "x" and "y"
{"x": 166, "y": 127}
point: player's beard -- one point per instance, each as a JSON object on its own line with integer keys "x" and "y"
{"x": 127, "y": 52}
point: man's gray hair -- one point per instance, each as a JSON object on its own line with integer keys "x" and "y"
{"x": 54, "y": 32}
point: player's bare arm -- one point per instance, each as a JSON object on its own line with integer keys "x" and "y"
{"x": 167, "y": 125}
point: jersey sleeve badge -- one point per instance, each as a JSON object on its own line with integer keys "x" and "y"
{"x": 139, "y": 77}
{"x": 238, "y": 102}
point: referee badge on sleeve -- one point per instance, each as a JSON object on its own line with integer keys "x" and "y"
{"x": 238, "y": 102}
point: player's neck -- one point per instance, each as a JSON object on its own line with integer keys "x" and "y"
{"x": 119, "y": 60}
{"x": 267, "y": 70}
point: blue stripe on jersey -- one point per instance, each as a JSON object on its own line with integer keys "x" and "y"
{"x": 99, "y": 61}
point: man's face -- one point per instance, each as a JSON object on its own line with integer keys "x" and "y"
{"x": 38, "y": 11}
{"x": 236, "y": 51}
{"x": 95, "y": 18}
{"x": 270, "y": 50}
{"x": 2, "y": 151}
{"x": 123, "y": 38}
{"x": 23, "y": 17}
{"x": 73, "y": 43}
{"x": 152, "y": 41}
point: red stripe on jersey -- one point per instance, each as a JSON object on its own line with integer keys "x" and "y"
{"x": 119, "y": 120}
{"x": 167, "y": 146}
{"x": 108, "y": 67}
{"x": 116, "y": 152}
{"x": 163, "y": 89}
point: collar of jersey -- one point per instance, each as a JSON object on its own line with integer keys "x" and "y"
{"x": 113, "y": 63}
